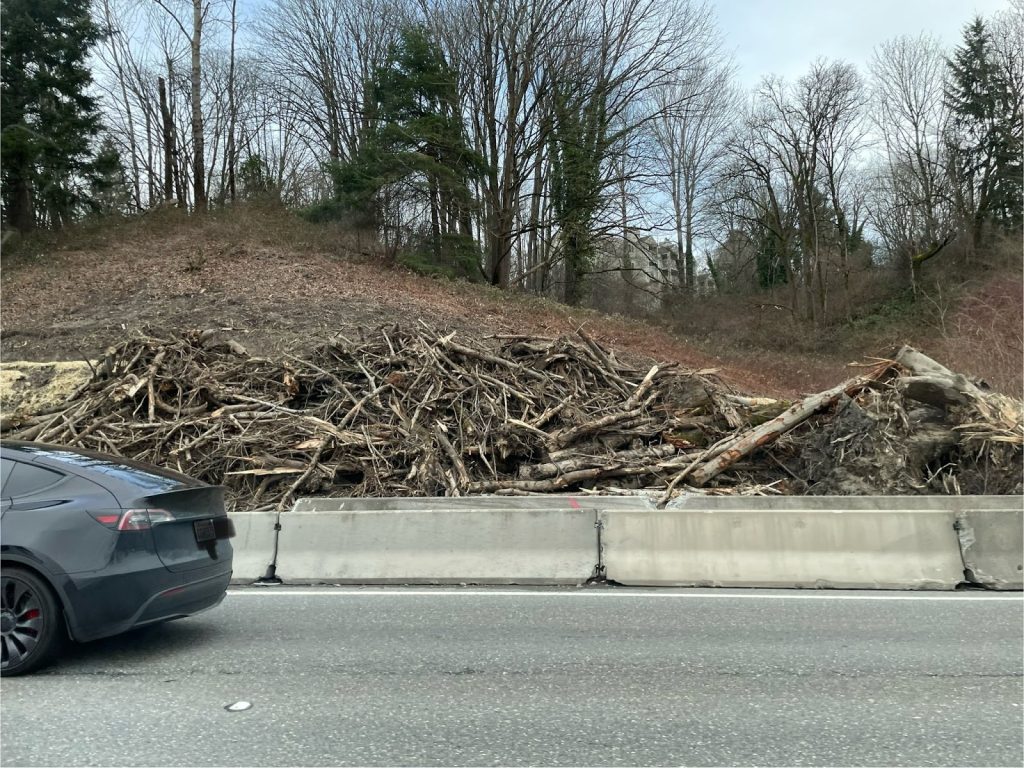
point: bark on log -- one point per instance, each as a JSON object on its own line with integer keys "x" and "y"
{"x": 934, "y": 390}
{"x": 641, "y": 389}
{"x": 446, "y": 445}
{"x": 552, "y": 468}
{"x": 934, "y": 384}
{"x": 565, "y": 481}
{"x": 569, "y": 436}
{"x": 746, "y": 442}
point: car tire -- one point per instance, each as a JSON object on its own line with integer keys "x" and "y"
{"x": 31, "y": 622}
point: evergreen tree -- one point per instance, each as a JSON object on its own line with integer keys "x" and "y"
{"x": 47, "y": 118}
{"x": 985, "y": 141}
{"x": 254, "y": 178}
{"x": 109, "y": 189}
{"x": 418, "y": 136}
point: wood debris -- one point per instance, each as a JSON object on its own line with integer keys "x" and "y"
{"x": 413, "y": 411}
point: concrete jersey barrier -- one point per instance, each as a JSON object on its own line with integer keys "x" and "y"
{"x": 992, "y": 544}
{"x": 841, "y": 542}
{"x": 253, "y": 544}
{"x": 547, "y": 502}
{"x": 438, "y": 541}
{"x": 837, "y": 542}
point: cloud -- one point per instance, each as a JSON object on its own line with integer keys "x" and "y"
{"x": 783, "y": 37}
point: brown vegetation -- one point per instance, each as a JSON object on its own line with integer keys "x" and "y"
{"x": 277, "y": 282}
{"x": 414, "y": 412}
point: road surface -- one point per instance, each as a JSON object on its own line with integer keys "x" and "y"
{"x": 507, "y": 676}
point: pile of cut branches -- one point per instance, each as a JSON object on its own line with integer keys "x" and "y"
{"x": 419, "y": 412}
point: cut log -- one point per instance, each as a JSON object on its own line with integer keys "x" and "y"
{"x": 446, "y": 445}
{"x": 552, "y": 468}
{"x": 746, "y": 442}
{"x": 934, "y": 384}
{"x": 566, "y": 437}
{"x": 941, "y": 391}
{"x": 641, "y": 389}
{"x": 568, "y": 480}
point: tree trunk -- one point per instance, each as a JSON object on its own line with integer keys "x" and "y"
{"x": 22, "y": 213}
{"x": 677, "y": 209}
{"x": 232, "y": 107}
{"x": 532, "y": 249}
{"x": 150, "y": 175}
{"x": 691, "y": 267}
{"x": 168, "y": 127}
{"x": 122, "y": 83}
{"x": 435, "y": 220}
{"x": 501, "y": 248}
{"x": 198, "y": 149}
{"x": 132, "y": 143}
{"x": 571, "y": 291}
{"x": 465, "y": 212}
{"x": 690, "y": 272}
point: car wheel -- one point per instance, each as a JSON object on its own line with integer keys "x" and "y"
{"x": 29, "y": 621}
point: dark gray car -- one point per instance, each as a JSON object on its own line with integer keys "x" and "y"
{"x": 93, "y": 545}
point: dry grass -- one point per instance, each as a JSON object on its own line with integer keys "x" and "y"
{"x": 981, "y": 335}
{"x": 968, "y": 317}
{"x": 281, "y": 282}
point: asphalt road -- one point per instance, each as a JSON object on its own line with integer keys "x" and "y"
{"x": 540, "y": 677}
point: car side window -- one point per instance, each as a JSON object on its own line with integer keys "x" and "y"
{"x": 28, "y": 479}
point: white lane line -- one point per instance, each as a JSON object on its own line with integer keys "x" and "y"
{"x": 403, "y": 592}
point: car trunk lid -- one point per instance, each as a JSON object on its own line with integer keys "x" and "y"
{"x": 190, "y": 526}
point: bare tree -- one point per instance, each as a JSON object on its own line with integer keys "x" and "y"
{"x": 792, "y": 158}
{"x": 690, "y": 132}
{"x": 499, "y": 49}
{"x": 912, "y": 199}
{"x": 322, "y": 54}
{"x": 757, "y": 206}
{"x": 624, "y": 54}
{"x": 114, "y": 50}
{"x": 842, "y": 138}
{"x": 231, "y": 154}
{"x": 195, "y": 41}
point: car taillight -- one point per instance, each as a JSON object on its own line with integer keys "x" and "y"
{"x": 133, "y": 519}
{"x": 109, "y": 519}
{"x": 142, "y": 519}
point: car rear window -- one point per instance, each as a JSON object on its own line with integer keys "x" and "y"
{"x": 150, "y": 479}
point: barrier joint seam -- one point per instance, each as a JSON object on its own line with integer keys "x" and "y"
{"x": 599, "y": 569}
{"x": 270, "y": 576}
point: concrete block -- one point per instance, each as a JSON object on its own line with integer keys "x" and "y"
{"x": 547, "y": 502}
{"x": 437, "y": 541}
{"x": 253, "y": 545}
{"x": 834, "y": 542}
{"x": 992, "y": 544}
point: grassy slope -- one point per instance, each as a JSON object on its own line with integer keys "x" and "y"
{"x": 280, "y": 283}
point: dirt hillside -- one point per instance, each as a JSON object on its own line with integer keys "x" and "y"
{"x": 280, "y": 284}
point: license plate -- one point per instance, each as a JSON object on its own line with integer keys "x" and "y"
{"x": 204, "y": 530}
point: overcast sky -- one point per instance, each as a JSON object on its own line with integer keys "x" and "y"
{"x": 783, "y": 37}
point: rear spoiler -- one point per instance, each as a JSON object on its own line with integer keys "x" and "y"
{"x": 201, "y": 501}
